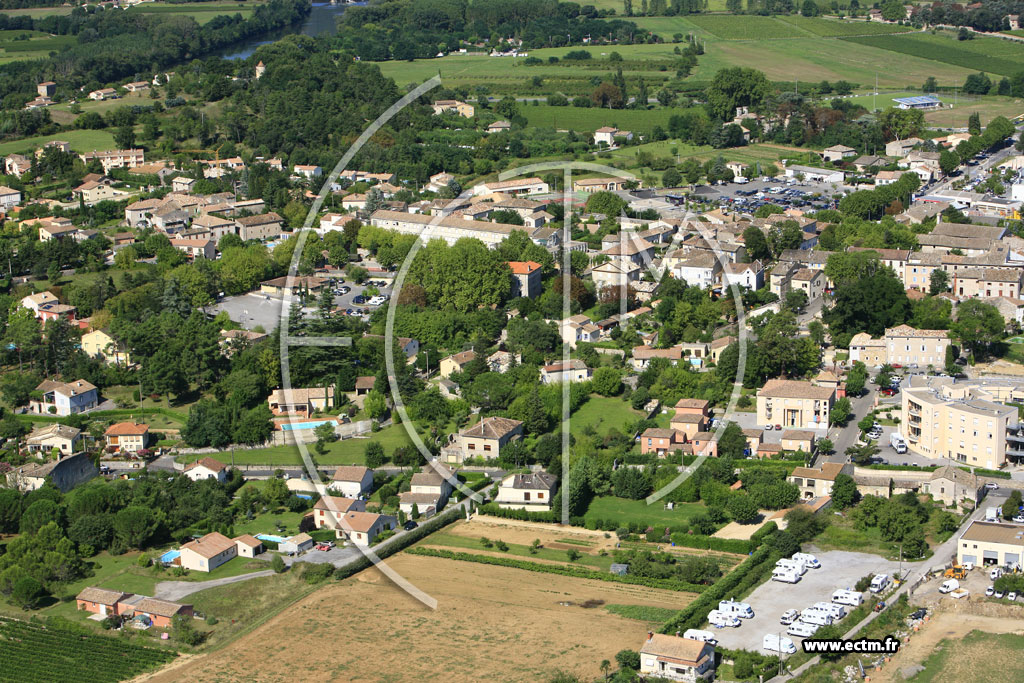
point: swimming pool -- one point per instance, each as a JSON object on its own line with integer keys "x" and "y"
{"x": 291, "y": 427}
{"x": 271, "y": 537}
{"x": 170, "y": 556}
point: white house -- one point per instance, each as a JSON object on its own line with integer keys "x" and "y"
{"x": 9, "y": 197}
{"x": 749, "y": 275}
{"x": 207, "y": 553}
{"x": 361, "y": 528}
{"x": 352, "y": 481}
{"x": 207, "y": 468}
{"x": 531, "y": 491}
{"x": 573, "y": 371}
{"x": 700, "y": 269}
{"x": 607, "y": 135}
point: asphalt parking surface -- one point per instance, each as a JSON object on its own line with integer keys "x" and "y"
{"x": 252, "y": 309}
{"x": 839, "y": 569}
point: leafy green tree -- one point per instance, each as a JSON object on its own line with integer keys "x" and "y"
{"x": 375, "y": 404}
{"x": 277, "y": 564}
{"x": 824, "y": 446}
{"x": 607, "y": 381}
{"x": 978, "y": 325}
{"x": 374, "y": 455}
{"x": 608, "y": 203}
{"x": 938, "y": 282}
{"x": 628, "y": 659}
{"x": 135, "y": 526}
{"x": 732, "y": 88}
{"x": 732, "y": 442}
{"x": 276, "y": 491}
{"x": 10, "y": 510}
{"x": 844, "y": 491}
{"x": 840, "y": 412}
{"x": 742, "y": 508}
{"x": 631, "y": 483}
{"x": 756, "y": 244}
{"x": 862, "y": 455}
{"x": 39, "y": 514}
{"x": 27, "y": 593}
{"x": 856, "y": 378}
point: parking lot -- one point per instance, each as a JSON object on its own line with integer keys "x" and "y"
{"x": 839, "y": 569}
{"x": 748, "y": 197}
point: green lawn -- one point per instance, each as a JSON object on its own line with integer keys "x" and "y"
{"x": 960, "y": 659}
{"x": 455, "y": 541}
{"x": 267, "y": 522}
{"x": 749, "y": 27}
{"x": 834, "y": 28}
{"x": 587, "y": 120}
{"x": 603, "y": 414}
{"x": 652, "y": 615}
{"x": 624, "y": 511}
{"x": 80, "y": 141}
{"x": 202, "y": 12}
{"x": 346, "y": 452}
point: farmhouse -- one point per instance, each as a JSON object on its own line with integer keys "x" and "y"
{"x": 62, "y": 438}
{"x": 127, "y": 437}
{"x": 574, "y": 370}
{"x": 456, "y": 362}
{"x": 677, "y": 659}
{"x": 453, "y": 107}
{"x": 102, "y": 601}
{"x": 301, "y": 402}
{"x": 488, "y": 436}
{"x": 362, "y": 528}
{"x": 531, "y": 491}
{"x": 817, "y": 482}
{"x": 606, "y": 135}
{"x": 525, "y": 279}
{"x": 100, "y": 344}
{"x": 838, "y": 153}
{"x": 207, "y": 553}
{"x": 660, "y": 441}
{"x": 260, "y": 227}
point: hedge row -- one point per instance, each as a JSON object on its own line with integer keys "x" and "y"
{"x": 564, "y": 570}
{"x": 402, "y": 542}
{"x": 982, "y": 472}
{"x": 493, "y": 510}
{"x": 725, "y": 545}
{"x": 749, "y": 573}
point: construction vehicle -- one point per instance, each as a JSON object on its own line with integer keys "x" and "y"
{"x": 955, "y": 572}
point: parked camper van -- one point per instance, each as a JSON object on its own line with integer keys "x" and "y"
{"x": 817, "y": 617}
{"x": 739, "y": 609}
{"x": 776, "y": 643}
{"x": 879, "y": 582}
{"x": 837, "y": 611}
{"x": 722, "y": 620}
{"x": 802, "y": 629}
{"x": 785, "y": 575}
{"x": 795, "y": 565}
{"x": 810, "y": 561}
{"x": 697, "y": 634}
{"x": 845, "y": 597}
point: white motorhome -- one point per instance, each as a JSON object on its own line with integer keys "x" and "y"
{"x": 845, "y": 597}
{"x": 817, "y": 617}
{"x": 697, "y": 634}
{"x": 775, "y": 643}
{"x": 784, "y": 575}
{"x": 897, "y": 443}
{"x": 879, "y": 582}
{"x": 802, "y": 629}
{"x": 837, "y": 611}
{"x": 739, "y": 609}
{"x": 794, "y": 565}
{"x": 722, "y": 620}
{"x": 810, "y": 561}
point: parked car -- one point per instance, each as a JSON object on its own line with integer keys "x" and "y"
{"x": 1019, "y": 519}
{"x": 410, "y": 525}
{"x": 999, "y": 595}
{"x": 1012, "y": 596}
{"x": 990, "y": 591}
{"x": 788, "y": 617}
{"x": 778, "y": 428}
{"x": 991, "y": 486}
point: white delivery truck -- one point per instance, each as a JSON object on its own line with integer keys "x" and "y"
{"x": 738, "y": 609}
{"x": 879, "y": 582}
{"x": 813, "y": 616}
{"x": 697, "y": 634}
{"x": 992, "y": 514}
{"x": 897, "y": 443}
{"x": 722, "y": 620}
{"x": 837, "y": 611}
{"x": 847, "y": 597}
{"x": 775, "y": 643}
{"x": 802, "y": 629}
{"x": 794, "y": 565}
{"x": 784, "y": 575}
{"x": 810, "y": 561}
{"x": 949, "y": 586}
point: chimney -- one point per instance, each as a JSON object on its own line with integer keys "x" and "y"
{"x": 650, "y": 634}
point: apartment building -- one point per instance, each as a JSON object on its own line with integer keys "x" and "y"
{"x": 908, "y": 346}
{"x": 966, "y": 421}
{"x": 450, "y": 228}
{"x": 794, "y": 404}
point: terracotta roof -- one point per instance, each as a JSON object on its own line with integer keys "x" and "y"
{"x": 908, "y": 331}
{"x": 209, "y": 463}
{"x": 492, "y": 428}
{"x": 249, "y": 540}
{"x": 210, "y": 545}
{"x": 101, "y": 596}
{"x": 161, "y": 608}
{"x": 350, "y": 473}
{"x": 788, "y": 388}
{"x": 523, "y": 267}
{"x": 335, "y": 504}
{"x": 656, "y": 433}
{"x": 688, "y": 418}
{"x": 797, "y": 435}
{"x": 462, "y": 357}
{"x": 126, "y": 429}
{"x": 692, "y": 403}
{"x": 827, "y": 472}
{"x": 361, "y": 521}
{"x": 366, "y": 382}
{"x": 675, "y": 648}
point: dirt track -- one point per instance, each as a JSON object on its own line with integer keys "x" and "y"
{"x": 367, "y": 629}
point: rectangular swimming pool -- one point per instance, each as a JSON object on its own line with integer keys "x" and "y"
{"x": 291, "y": 427}
{"x": 271, "y": 537}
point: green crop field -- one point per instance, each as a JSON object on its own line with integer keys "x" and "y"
{"x": 582, "y": 119}
{"x": 202, "y": 12}
{"x": 80, "y": 141}
{"x": 731, "y": 27}
{"x": 31, "y": 652}
{"x": 834, "y": 28}
{"x": 19, "y": 45}
{"x": 37, "y": 12}
{"x": 624, "y": 511}
{"x": 981, "y": 54}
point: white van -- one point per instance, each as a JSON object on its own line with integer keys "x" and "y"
{"x": 847, "y": 597}
{"x": 813, "y": 616}
{"x": 776, "y": 643}
{"x": 802, "y": 629}
{"x": 794, "y": 565}
{"x": 810, "y": 561}
{"x": 739, "y": 609}
{"x": 879, "y": 582}
{"x": 722, "y": 620}
{"x": 837, "y": 611}
{"x": 784, "y": 575}
{"x": 949, "y": 586}
{"x": 995, "y": 573}
{"x": 697, "y": 634}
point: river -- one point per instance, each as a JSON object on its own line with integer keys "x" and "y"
{"x": 322, "y": 19}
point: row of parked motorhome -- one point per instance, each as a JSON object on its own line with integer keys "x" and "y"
{"x": 790, "y": 570}
{"x": 729, "y": 613}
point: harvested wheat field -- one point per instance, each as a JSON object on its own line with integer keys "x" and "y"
{"x": 490, "y": 622}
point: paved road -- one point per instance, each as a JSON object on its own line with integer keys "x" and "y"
{"x": 843, "y": 438}
{"x": 176, "y": 590}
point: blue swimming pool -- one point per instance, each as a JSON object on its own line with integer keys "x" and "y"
{"x": 170, "y": 556}
{"x": 271, "y": 537}
{"x": 291, "y": 427}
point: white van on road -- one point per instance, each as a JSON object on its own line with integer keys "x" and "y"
{"x": 794, "y": 565}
